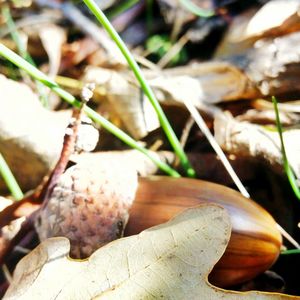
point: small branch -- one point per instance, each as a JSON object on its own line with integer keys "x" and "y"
{"x": 66, "y": 152}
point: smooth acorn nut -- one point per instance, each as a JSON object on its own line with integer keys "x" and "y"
{"x": 255, "y": 240}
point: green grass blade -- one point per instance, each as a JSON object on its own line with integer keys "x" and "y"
{"x": 145, "y": 86}
{"x": 22, "y": 49}
{"x": 196, "y": 10}
{"x": 9, "y": 179}
{"x": 38, "y": 75}
{"x": 123, "y": 6}
{"x": 292, "y": 251}
{"x": 290, "y": 174}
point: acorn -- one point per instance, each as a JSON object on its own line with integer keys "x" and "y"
{"x": 89, "y": 205}
{"x": 255, "y": 240}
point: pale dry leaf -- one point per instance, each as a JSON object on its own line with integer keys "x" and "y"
{"x": 254, "y": 24}
{"x": 9, "y": 231}
{"x": 200, "y": 83}
{"x": 284, "y": 14}
{"x": 232, "y": 42}
{"x": 126, "y": 100}
{"x": 53, "y": 37}
{"x": 210, "y": 82}
{"x": 30, "y": 136}
{"x": 250, "y": 140}
{"x": 127, "y": 159}
{"x": 169, "y": 261}
{"x": 267, "y": 116}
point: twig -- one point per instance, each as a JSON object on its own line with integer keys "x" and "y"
{"x": 67, "y": 150}
{"x": 186, "y": 131}
{"x": 202, "y": 125}
{"x": 6, "y": 273}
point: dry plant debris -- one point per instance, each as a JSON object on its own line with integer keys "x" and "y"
{"x": 169, "y": 261}
{"x": 255, "y": 141}
{"x": 256, "y": 56}
{"x": 30, "y": 136}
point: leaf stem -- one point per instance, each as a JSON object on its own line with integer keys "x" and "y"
{"x": 38, "y": 75}
{"x": 145, "y": 86}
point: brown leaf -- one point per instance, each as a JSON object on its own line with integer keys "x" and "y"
{"x": 254, "y": 24}
{"x": 285, "y": 19}
{"x": 250, "y": 140}
{"x": 30, "y": 136}
{"x": 53, "y": 37}
{"x": 170, "y": 261}
{"x": 126, "y": 100}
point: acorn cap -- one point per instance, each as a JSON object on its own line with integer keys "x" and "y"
{"x": 89, "y": 205}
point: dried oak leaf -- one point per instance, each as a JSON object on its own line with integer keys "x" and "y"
{"x": 244, "y": 139}
{"x": 30, "y": 136}
{"x": 285, "y": 19}
{"x": 255, "y": 23}
{"x": 169, "y": 261}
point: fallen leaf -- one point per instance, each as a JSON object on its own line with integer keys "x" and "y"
{"x": 200, "y": 83}
{"x": 126, "y": 159}
{"x": 285, "y": 19}
{"x": 169, "y": 261}
{"x": 255, "y": 23}
{"x": 267, "y": 116}
{"x": 30, "y": 136}
{"x": 126, "y": 100}
{"x": 9, "y": 231}
{"x": 251, "y": 140}
{"x": 53, "y": 37}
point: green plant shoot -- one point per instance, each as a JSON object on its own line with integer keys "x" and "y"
{"x": 289, "y": 172}
{"x": 145, "y": 86}
{"x": 9, "y": 179}
{"x": 40, "y": 76}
